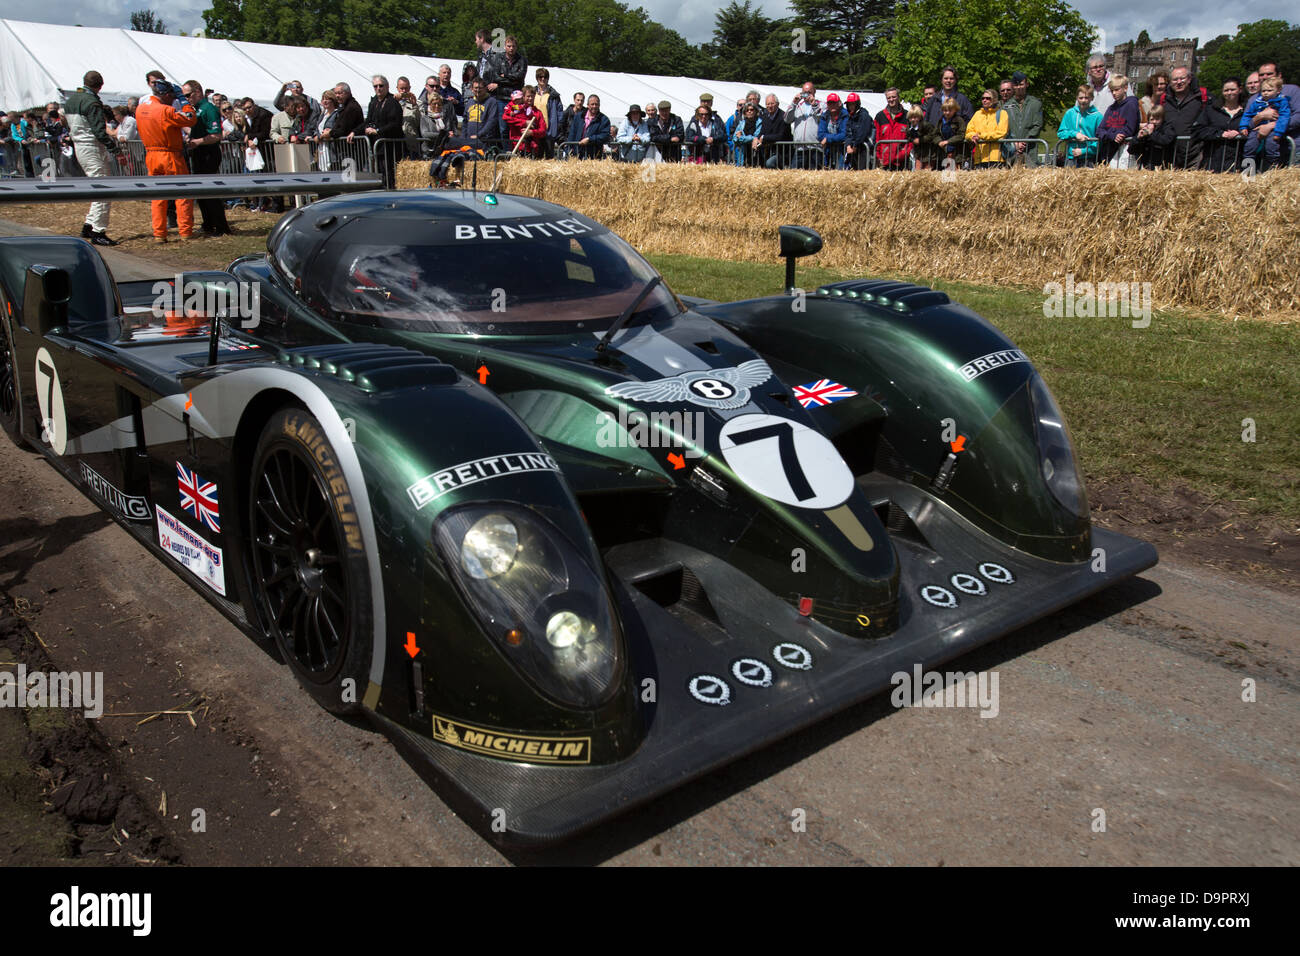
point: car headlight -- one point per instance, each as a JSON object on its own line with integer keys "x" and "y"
{"x": 1055, "y": 450}
{"x": 489, "y": 547}
{"x": 538, "y": 598}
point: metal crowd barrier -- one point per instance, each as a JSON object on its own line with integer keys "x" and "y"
{"x": 1041, "y": 152}
{"x": 1062, "y": 158}
{"x": 908, "y": 162}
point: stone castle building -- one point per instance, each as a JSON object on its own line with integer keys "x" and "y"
{"x": 1137, "y": 63}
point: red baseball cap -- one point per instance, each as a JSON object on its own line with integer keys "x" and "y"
{"x": 853, "y": 98}
{"x": 833, "y": 98}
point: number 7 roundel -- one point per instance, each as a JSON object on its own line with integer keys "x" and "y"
{"x": 786, "y": 461}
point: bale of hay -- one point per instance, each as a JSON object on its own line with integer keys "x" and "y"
{"x": 1218, "y": 243}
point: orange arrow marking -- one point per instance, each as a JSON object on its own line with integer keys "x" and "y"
{"x": 189, "y": 400}
{"x": 678, "y": 462}
{"x": 411, "y": 648}
{"x": 483, "y": 373}
{"x": 959, "y": 444}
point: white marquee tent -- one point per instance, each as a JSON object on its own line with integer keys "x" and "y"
{"x": 40, "y": 63}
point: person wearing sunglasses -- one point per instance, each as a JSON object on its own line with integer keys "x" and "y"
{"x": 986, "y": 130}
{"x": 384, "y": 121}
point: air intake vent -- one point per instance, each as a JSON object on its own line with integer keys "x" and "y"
{"x": 886, "y": 294}
{"x": 373, "y": 367}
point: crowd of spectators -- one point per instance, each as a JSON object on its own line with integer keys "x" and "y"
{"x": 1174, "y": 123}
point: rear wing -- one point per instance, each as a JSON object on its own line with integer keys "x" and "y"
{"x": 82, "y": 189}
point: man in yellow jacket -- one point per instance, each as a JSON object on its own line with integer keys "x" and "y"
{"x": 986, "y": 130}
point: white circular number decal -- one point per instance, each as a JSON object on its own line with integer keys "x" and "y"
{"x": 49, "y": 395}
{"x": 786, "y": 461}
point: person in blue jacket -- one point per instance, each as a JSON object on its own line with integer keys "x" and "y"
{"x": 832, "y": 129}
{"x": 590, "y": 130}
{"x": 1078, "y": 130}
{"x": 748, "y": 127}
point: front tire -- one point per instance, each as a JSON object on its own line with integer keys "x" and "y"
{"x": 311, "y": 579}
{"x": 9, "y": 403}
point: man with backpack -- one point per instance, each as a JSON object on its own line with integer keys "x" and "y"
{"x": 1183, "y": 104}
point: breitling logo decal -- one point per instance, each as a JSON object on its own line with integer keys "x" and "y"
{"x": 710, "y": 387}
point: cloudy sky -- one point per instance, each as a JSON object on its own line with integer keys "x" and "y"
{"x": 1120, "y": 20}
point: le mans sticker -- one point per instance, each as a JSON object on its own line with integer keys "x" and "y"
{"x": 569, "y": 750}
{"x": 186, "y": 547}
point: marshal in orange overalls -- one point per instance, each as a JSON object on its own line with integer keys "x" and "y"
{"x": 160, "y": 128}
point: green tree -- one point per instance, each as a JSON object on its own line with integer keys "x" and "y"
{"x": 146, "y": 21}
{"x": 845, "y": 40}
{"x": 1144, "y": 39}
{"x": 749, "y": 45}
{"x": 986, "y": 41}
{"x": 1208, "y": 49}
{"x": 224, "y": 20}
{"x": 1263, "y": 41}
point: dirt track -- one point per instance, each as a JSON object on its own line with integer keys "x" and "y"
{"x": 1129, "y": 702}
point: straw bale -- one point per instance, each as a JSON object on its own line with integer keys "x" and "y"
{"x": 1219, "y": 243}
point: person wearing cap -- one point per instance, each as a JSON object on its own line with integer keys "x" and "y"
{"x": 720, "y": 147}
{"x": 832, "y": 129}
{"x": 667, "y": 132}
{"x": 633, "y": 136}
{"x": 160, "y": 124}
{"x": 1026, "y": 122}
{"x": 858, "y": 130}
{"x": 519, "y": 113}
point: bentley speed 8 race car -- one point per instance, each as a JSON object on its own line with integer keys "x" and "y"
{"x": 568, "y": 538}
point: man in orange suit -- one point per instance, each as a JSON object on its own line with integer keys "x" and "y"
{"x": 159, "y": 120}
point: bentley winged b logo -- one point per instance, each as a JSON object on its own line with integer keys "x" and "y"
{"x": 710, "y": 387}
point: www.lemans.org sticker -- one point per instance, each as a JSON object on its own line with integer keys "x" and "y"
{"x": 129, "y": 506}
{"x": 434, "y": 486}
{"x": 186, "y": 547}
{"x": 987, "y": 363}
{"x": 709, "y": 387}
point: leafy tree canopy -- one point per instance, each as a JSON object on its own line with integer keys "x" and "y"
{"x": 1264, "y": 41}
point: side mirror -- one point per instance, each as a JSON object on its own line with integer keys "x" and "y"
{"x": 797, "y": 241}
{"x": 45, "y": 298}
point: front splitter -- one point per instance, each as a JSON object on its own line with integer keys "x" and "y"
{"x": 766, "y": 673}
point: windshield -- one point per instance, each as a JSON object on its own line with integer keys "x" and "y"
{"x": 540, "y": 284}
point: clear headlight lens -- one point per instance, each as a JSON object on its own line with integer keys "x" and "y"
{"x": 541, "y": 600}
{"x": 566, "y": 629}
{"x": 489, "y": 547}
{"x": 1056, "y": 450}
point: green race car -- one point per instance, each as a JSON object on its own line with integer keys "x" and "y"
{"x": 568, "y": 538}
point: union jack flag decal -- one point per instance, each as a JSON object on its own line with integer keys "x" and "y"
{"x": 822, "y": 392}
{"x": 198, "y": 497}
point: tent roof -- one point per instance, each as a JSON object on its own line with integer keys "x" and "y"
{"x": 41, "y": 62}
